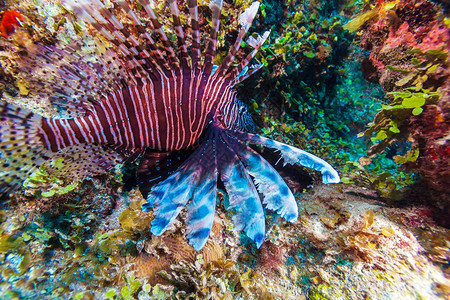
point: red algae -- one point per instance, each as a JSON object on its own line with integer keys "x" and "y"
{"x": 10, "y": 19}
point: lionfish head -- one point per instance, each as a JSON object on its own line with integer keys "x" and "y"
{"x": 238, "y": 117}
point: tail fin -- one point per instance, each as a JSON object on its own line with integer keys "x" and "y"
{"x": 24, "y": 147}
{"x": 243, "y": 171}
{"x": 21, "y": 148}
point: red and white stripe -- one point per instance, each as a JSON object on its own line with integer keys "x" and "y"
{"x": 163, "y": 115}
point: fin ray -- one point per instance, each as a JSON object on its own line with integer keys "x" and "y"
{"x": 216, "y": 8}
{"x": 293, "y": 155}
{"x": 277, "y": 195}
{"x": 245, "y": 19}
{"x": 21, "y": 149}
{"x": 195, "y": 32}
{"x": 243, "y": 196}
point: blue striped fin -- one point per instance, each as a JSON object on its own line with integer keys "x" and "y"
{"x": 201, "y": 209}
{"x": 198, "y": 174}
{"x": 277, "y": 195}
{"x": 243, "y": 197}
{"x": 155, "y": 167}
{"x": 293, "y": 155}
{"x": 171, "y": 195}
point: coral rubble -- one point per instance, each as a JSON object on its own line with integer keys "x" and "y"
{"x": 346, "y": 244}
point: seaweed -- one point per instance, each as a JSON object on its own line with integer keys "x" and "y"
{"x": 394, "y": 123}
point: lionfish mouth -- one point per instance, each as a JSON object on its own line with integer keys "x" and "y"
{"x": 142, "y": 98}
{"x": 225, "y": 154}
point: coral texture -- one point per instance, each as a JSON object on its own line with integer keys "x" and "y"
{"x": 401, "y": 42}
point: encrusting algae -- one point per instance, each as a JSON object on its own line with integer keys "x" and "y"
{"x": 69, "y": 237}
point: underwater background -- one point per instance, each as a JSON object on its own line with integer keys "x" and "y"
{"x": 362, "y": 84}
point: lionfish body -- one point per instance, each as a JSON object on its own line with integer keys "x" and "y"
{"x": 166, "y": 114}
{"x": 141, "y": 99}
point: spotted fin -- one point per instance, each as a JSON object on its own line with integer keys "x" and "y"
{"x": 21, "y": 150}
{"x": 85, "y": 160}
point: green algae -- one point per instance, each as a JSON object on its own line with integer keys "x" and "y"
{"x": 392, "y": 123}
{"x": 48, "y": 182}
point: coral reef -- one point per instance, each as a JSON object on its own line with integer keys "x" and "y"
{"x": 346, "y": 244}
{"x": 409, "y": 57}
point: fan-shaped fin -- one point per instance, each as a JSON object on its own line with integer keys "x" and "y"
{"x": 85, "y": 160}
{"x": 223, "y": 151}
{"x": 197, "y": 174}
{"x": 196, "y": 178}
{"x": 21, "y": 149}
{"x": 292, "y": 155}
{"x": 277, "y": 195}
{"x": 243, "y": 197}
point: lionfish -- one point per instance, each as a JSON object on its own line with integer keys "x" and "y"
{"x": 140, "y": 98}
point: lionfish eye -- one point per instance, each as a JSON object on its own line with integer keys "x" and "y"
{"x": 242, "y": 110}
